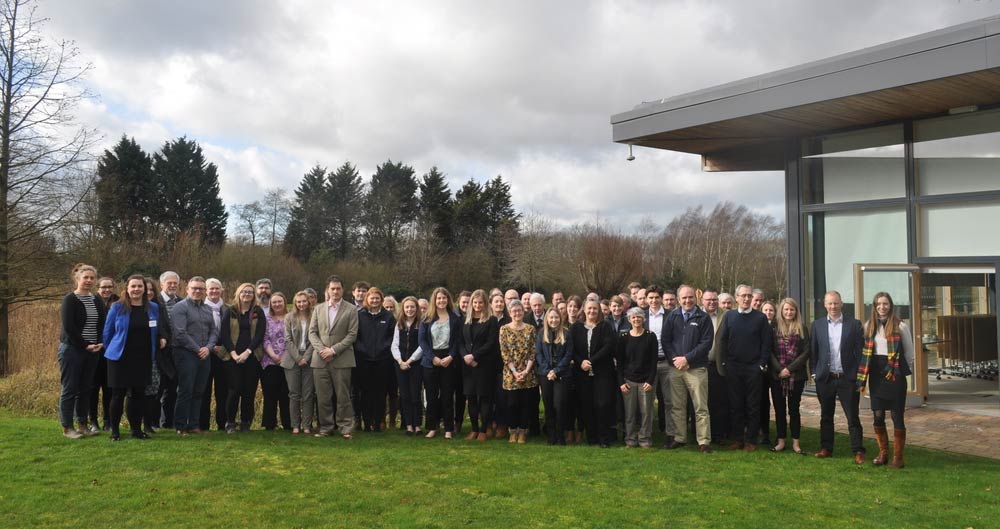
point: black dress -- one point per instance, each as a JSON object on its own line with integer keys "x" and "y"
{"x": 135, "y": 367}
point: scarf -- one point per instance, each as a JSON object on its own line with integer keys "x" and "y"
{"x": 788, "y": 350}
{"x": 216, "y": 310}
{"x": 891, "y": 371}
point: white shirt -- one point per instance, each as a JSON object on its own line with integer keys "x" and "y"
{"x": 656, "y": 325}
{"x": 835, "y": 329}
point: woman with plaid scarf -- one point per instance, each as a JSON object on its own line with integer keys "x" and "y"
{"x": 788, "y": 372}
{"x": 886, "y": 360}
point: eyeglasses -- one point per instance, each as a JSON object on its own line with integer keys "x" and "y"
{"x": 246, "y": 292}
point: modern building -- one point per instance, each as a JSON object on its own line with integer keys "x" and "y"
{"x": 891, "y": 156}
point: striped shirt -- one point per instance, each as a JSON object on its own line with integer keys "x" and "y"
{"x": 90, "y": 332}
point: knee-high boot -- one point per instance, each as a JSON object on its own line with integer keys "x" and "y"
{"x": 882, "y": 436}
{"x": 898, "y": 446}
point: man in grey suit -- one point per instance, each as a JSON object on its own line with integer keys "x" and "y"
{"x": 837, "y": 340}
{"x": 332, "y": 333}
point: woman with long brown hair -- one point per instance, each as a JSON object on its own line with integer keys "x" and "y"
{"x": 481, "y": 363}
{"x": 886, "y": 360}
{"x": 788, "y": 372}
{"x": 407, "y": 353}
{"x": 439, "y": 336}
{"x": 242, "y": 338}
{"x": 272, "y": 380}
{"x": 554, "y": 356}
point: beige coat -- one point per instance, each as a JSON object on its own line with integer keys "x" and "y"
{"x": 340, "y": 334}
{"x": 293, "y": 337}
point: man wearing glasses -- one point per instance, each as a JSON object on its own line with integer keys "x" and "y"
{"x": 745, "y": 341}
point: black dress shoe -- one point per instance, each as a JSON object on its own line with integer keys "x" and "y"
{"x": 141, "y": 435}
{"x": 115, "y": 437}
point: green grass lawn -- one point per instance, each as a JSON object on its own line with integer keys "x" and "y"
{"x": 275, "y": 480}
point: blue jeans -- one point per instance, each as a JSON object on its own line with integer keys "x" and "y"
{"x": 76, "y": 372}
{"x": 192, "y": 376}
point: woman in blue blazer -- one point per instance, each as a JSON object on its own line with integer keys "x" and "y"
{"x": 554, "y": 354}
{"x": 439, "y": 336}
{"x": 131, "y": 341}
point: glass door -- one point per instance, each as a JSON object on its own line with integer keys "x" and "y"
{"x": 900, "y": 281}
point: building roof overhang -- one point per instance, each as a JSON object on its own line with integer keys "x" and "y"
{"x": 747, "y": 125}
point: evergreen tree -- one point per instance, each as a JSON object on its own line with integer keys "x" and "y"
{"x": 469, "y": 219}
{"x": 125, "y": 192}
{"x": 344, "y": 198}
{"x": 190, "y": 200}
{"x": 502, "y": 224}
{"x": 309, "y": 228}
{"x": 389, "y": 207}
{"x": 436, "y": 208}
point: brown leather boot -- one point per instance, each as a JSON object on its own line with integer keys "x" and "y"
{"x": 898, "y": 446}
{"x": 882, "y": 437}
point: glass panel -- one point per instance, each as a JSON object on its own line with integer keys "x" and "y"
{"x": 959, "y": 326}
{"x": 836, "y": 241}
{"x": 957, "y": 154}
{"x": 898, "y": 286}
{"x": 954, "y": 230}
{"x": 854, "y": 166}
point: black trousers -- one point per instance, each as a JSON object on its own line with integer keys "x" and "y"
{"x": 241, "y": 381}
{"x": 168, "y": 400}
{"x": 373, "y": 379}
{"x": 718, "y": 404}
{"x": 792, "y": 400}
{"x": 411, "y": 406}
{"x": 459, "y": 400}
{"x": 765, "y": 407}
{"x": 439, "y": 384}
{"x": 744, "y": 384}
{"x": 596, "y": 405}
{"x": 101, "y": 393}
{"x": 522, "y": 408}
{"x": 216, "y": 380}
{"x": 136, "y": 400}
{"x": 828, "y": 392}
{"x": 500, "y": 404}
{"x": 275, "y": 389}
{"x": 556, "y": 396}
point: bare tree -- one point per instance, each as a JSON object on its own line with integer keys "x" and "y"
{"x": 534, "y": 260}
{"x": 277, "y": 211}
{"x": 251, "y": 221}
{"x": 41, "y": 153}
{"x": 607, "y": 260}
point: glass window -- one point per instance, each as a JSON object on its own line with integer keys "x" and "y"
{"x": 854, "y": 166}
{"x": 836, "y": 241}
{"x": 957, "y": 154}
{"x": 955, "y": 230}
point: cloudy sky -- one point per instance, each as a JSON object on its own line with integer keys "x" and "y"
{"x": 519, "y": 88}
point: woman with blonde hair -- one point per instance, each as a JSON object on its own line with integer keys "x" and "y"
{"x": 554, "y": 355}
{"x": 886, "y": 360}
{"x": 788, "y": 372}
{"x": 407, "y": 353}
{"x": 242, "y": 340}
{"x": 373, "y": 354}
{"x": 298, "y": 356}
{"x": 82, "y": 314}
{"x": 480, "y": 356}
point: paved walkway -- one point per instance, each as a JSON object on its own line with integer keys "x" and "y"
{"x": 953, "y": 431}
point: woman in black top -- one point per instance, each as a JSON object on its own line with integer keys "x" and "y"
{"x": 636, "y": 357}
{"x": 498, "y": 308}
{"x": 373, "y": 355}
{"x": 133, "y": 325}
{"x": 243, "y": 336}
{"x": 101, "y": 392}
{"x": 79, "y": 346}
{"x": 594, "y": 375}
{"x": 480, "y": 350}
{"x": 406, "y": 351}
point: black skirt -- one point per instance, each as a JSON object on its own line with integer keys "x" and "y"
{"x": 135, "y": 367}
{"x": 884, "y": 394}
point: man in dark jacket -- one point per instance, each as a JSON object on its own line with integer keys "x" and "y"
{"x": 687, "y": 339}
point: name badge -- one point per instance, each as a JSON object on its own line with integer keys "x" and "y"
{"x": 152, "y": 324}
{"x": 694, "y": 323}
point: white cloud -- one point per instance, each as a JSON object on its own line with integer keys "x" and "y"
{"x": 523, "y": 89}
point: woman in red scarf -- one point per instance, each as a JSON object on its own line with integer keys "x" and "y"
{"x": 886, "y": 360}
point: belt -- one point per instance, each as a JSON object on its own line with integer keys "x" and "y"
{"x": 836, "y": 375}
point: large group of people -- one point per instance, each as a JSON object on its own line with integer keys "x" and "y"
{"x": 706, "y": 366}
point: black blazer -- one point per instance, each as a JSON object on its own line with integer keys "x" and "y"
{"x": 482, "y": 341}
{"x": 851, "y": 343}
{"x": 601, "y": 352}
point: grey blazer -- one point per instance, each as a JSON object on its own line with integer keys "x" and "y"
{"x": 293, "y": 337}
{"x": 339, "y": 334}
{"x": 720, "y": 362}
